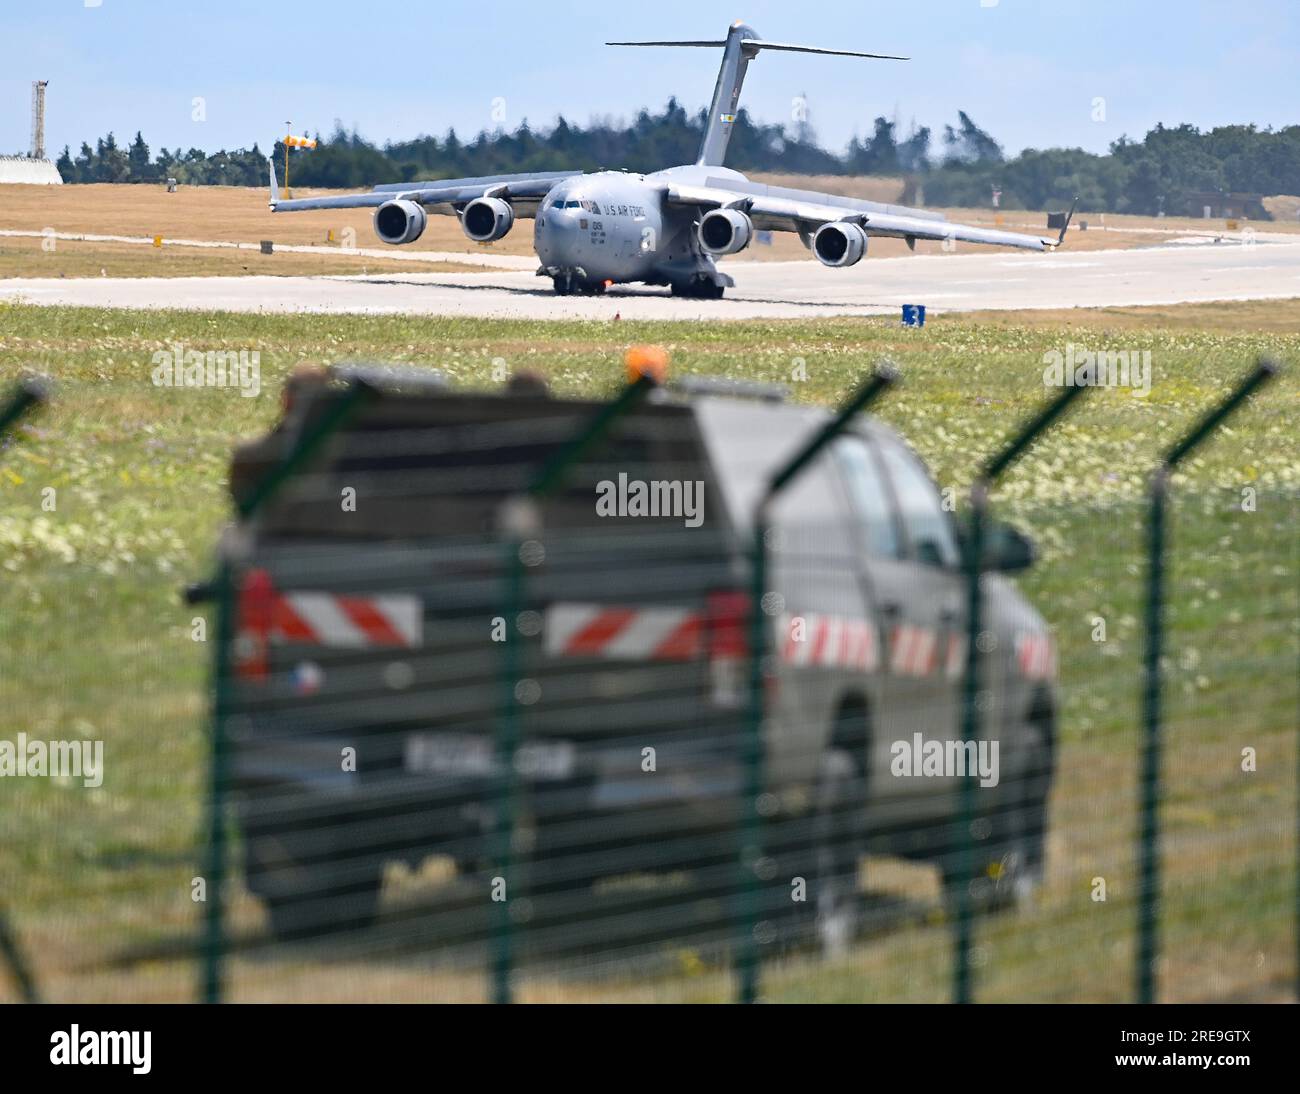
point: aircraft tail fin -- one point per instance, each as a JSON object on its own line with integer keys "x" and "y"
{"x": 740, "y": 47}
{"x": 275, "y": 184}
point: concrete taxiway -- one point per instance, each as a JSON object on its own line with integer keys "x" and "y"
{"x": 1161, "y": 275}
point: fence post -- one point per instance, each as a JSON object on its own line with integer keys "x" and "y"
{"x": 517, "y": 524}
{"x": 304, "y": 448}
{"x": 1149, "y": 778}
{"x": 27, "y": 395}
{"x": 17, "y": 961}
{"x": 970, "y": 720}
{"x": 520, "y": 520}
{"x": 215, "y": 872}
{"x": 752, "y": 758}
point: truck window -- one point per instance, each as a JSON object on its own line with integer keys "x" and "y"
{"x": 925, "y": 521}
{"x": 867, "y": 490}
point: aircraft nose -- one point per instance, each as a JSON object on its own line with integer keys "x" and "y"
{"x": 558, "y": 235}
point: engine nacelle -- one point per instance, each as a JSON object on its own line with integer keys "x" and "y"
{"x": 838, "y": 243}
{"x": 725, "y": 231}
{"x": 486, "y": 219}
{"x": 400, "y": 221}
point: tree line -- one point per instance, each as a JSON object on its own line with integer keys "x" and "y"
{"x": 961, "y": 166}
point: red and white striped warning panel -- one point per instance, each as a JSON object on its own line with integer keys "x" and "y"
{"x": 352, "y": 622}
{"x": 956, "y": 656}
{"x": 809, "y": 640}
{"x": 1036, "y": 656}
{"x": 622, "y": 633}
{"x": 678, "y": 634}
{"x": 267, "y": 615}
{"x": 913, "y": 651}
{"x": 830, "y": 641}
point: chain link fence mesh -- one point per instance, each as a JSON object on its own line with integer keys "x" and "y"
{"x": 383, "y": 664}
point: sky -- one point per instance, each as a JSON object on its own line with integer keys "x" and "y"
{"x": 1034, "y": 73}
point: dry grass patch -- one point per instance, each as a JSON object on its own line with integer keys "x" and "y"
{"x": 232, "y": 213}
{"x": 26, "y": 257}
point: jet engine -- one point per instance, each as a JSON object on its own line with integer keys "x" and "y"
{"x": 725, "y": 231}
{"x": 486, "y": 219}
{"x": 839, "y": 243}
{"x": 400, "y": 221}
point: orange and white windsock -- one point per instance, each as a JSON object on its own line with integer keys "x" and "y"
{"x": 299, "y": 142}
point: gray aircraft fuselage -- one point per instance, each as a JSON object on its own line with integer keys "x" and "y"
{"x": 616, "y": 227}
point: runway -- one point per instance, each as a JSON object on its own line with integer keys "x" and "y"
{"x": 1161, "y": 275}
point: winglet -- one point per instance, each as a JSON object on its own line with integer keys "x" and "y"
{"x": 275, "y": 185}
{"x": 1066, "y": 226}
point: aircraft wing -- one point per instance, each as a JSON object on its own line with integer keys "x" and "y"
{"x": 774, "y": 208}
{"x": 528, "y": 188}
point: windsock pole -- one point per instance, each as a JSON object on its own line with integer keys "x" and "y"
{"x": 290, "y": 141}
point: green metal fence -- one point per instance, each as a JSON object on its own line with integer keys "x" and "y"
{"x": 402, "y": 801}
{"x": 25, "y": 398}
{"x": 1152, "y": 675}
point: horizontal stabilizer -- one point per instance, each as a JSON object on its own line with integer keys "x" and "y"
{"x": 759, "y": 43}
{"x": 753, "y": 45}
{"x": 714, "y": 44}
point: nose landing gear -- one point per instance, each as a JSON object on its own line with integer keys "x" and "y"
{"x": 572, "y": 284}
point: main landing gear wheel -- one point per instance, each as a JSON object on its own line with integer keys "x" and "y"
{"x": 698, "y": 289}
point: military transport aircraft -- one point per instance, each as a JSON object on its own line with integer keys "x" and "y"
{"x": 666, "y": 228}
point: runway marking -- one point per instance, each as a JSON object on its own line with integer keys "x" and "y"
{"x": 1057, "y": 262}
{"x": 1238, "y": 269}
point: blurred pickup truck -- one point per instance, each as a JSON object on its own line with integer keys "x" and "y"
{"x": 369, "y": 669}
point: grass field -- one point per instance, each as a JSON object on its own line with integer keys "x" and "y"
{"x": 240, "y": 214}
{"x": 94, "y": 642}
{"x": 26, "y": 257}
